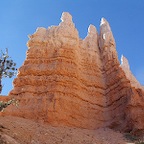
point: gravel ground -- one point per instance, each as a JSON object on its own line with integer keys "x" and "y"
{"x": 15, "y": 130}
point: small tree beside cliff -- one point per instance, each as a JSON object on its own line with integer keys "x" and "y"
{"x": 7, "y": 67}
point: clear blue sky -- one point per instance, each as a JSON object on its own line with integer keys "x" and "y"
{"x": 18, "y": 18}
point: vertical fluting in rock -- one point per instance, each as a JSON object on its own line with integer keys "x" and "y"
{"x": 115, "y": 80}
{"x": 68, "y": 81}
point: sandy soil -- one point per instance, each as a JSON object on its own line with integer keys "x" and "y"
{"x": 16, "y": 130}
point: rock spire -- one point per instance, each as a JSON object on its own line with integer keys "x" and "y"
{"x": 106, "y": 36}
{"x": 72, "y": 82}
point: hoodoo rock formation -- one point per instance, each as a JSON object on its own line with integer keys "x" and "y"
{"x": 69, "y": 81}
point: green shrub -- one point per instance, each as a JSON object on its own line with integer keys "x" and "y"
{"x": 3, "y": 105}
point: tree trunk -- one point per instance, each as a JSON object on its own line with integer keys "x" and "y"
{"x": 0, "y": 84}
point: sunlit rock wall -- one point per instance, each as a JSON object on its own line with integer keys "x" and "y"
{"x": 69, "y": 81}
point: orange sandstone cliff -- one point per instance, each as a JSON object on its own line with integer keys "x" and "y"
{"x": 69, "y": 81}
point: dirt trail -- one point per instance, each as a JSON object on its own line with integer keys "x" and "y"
{"x": 22, "y": 131}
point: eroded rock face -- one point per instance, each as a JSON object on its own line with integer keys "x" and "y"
{"x": 68, "y": 81}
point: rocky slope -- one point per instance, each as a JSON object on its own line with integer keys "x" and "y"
{"x": 73, "y": 82}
